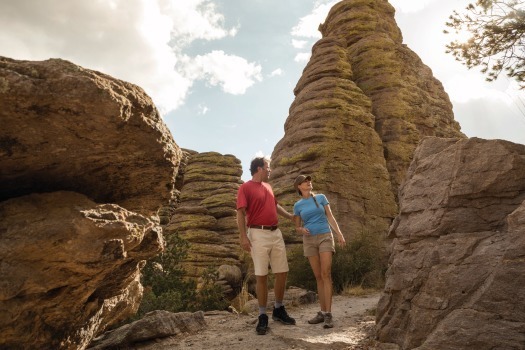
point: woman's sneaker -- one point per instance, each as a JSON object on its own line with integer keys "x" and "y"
{"x": 262, "y": 324}
{"x": 328, "y": 320}
{"x": 280, "y": 314}
{"x": 317, "y": 319}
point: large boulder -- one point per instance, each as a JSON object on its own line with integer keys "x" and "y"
{"x": 65, "y": 127}
{"x": 457, "y": 268}
{"x": 86, "y": 163}
{"x": 152, "y": 328}
{"x": 69, "y": 268}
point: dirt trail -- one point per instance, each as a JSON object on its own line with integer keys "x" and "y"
{"x": 225, "y": 330}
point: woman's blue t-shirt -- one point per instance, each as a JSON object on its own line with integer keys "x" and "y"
{"x": 314, "y": 218}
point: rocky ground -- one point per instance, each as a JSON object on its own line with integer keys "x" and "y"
{"x": 353, "y": 323}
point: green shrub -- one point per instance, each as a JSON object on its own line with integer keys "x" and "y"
{"x": 210, "y": 295}
{"x": 300, "y": 274}
{"x": 163, "y": 279}
{"x": 362, "y": 262}
{"x": 167, "y": 288}
{"x": 170, "y": 301}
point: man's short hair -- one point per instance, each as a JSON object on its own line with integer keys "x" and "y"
{"x": 258, "y": 162}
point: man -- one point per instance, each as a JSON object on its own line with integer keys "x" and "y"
{"x": 257, "y": 219}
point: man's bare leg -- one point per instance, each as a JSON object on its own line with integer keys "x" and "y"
{"x": 280, "y": 286}
{"x": 262, "y": 290}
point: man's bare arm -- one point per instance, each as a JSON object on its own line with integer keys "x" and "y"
{"x": 241, "y": 224}
{"x": 281, "y": 211}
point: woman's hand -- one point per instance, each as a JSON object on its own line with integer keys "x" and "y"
{"x": 302, "y": 231}
{"x": 341, "y": 239}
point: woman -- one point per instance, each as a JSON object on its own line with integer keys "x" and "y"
{"x": 313, "y": 219}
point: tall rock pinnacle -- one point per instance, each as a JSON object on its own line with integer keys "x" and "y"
{"x": 362, "y": 105}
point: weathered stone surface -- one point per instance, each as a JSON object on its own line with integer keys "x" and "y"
{"x": 231, "y": 274}
{"x": 329, "y": 134}
{"x": 65, "y": 127}
{"x": 229, "y": 277}
{"x": 69, "y": 264}
{"x": 457, "y": 266}
{"x": 206, "y": 214}
{"x": 363, "y": 102}
{"x": 153, "y": 326}
{"x": 408, "y": 103}
{"x": 69, "y": 268}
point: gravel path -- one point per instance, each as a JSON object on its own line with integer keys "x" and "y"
{"x": 352, "y": 322}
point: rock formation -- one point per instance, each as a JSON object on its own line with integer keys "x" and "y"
{"x": 457, "y": 269}
{"x": 153, "y": 327}
{"x": 206, "y": 215}
{"x": 86, "y": 164}
{"x": 363, "y": 102}
{"x": 69, "y": 267}
{"x": 221, "y": 330}
{"x": 69, "y": 128}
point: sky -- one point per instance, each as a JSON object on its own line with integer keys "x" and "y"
{"x": 222, "y": 72}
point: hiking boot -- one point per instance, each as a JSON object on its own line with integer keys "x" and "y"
{"x": 317, "y": 319}
{"x": 262, "y": 325}
{"x": 280, "y": 314}
{"x": 328, "y": 320}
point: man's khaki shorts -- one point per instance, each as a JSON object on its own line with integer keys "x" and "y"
{"x": 315, "y": 244}
{"x": 267, "y": 249}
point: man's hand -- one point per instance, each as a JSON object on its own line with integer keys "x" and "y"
{"x": 241, "y": 223}
{"x": 245, "y": 243}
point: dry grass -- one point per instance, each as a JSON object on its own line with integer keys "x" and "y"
{"x": 358, "y": 291}
{"x": 244, "y": 295}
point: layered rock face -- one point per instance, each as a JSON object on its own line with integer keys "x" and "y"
{"x": 206, "y": 215}
{"x": 361, "y": 106}
{"x": 407, "y": 101}
{"x": 457, "y": 268}
{"x": 86, "y": 164}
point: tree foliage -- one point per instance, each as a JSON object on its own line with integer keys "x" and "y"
{"x": 497, "y": 38}
{"x": 167, "y": 288}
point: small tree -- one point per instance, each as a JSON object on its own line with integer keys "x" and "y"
{"x": 167, "y": 288}
{"x": 163, "y": 279}
{"x": 497, "y": 41}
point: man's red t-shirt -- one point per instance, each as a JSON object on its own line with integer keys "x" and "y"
{"x": 259, "y": 201}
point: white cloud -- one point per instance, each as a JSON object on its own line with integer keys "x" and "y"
{"x": 302, "y": 57}
{"x": 307, "y": 26}
{"x": 233, "y": 73}
{"x": 140, "y": 41}
{"x": 409, "y": 6}
{"x": 197, "y": 19}
{"x": 202, "y": 109}
{"x": 299, "y": 44}
{"x": 276, "y": 72}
